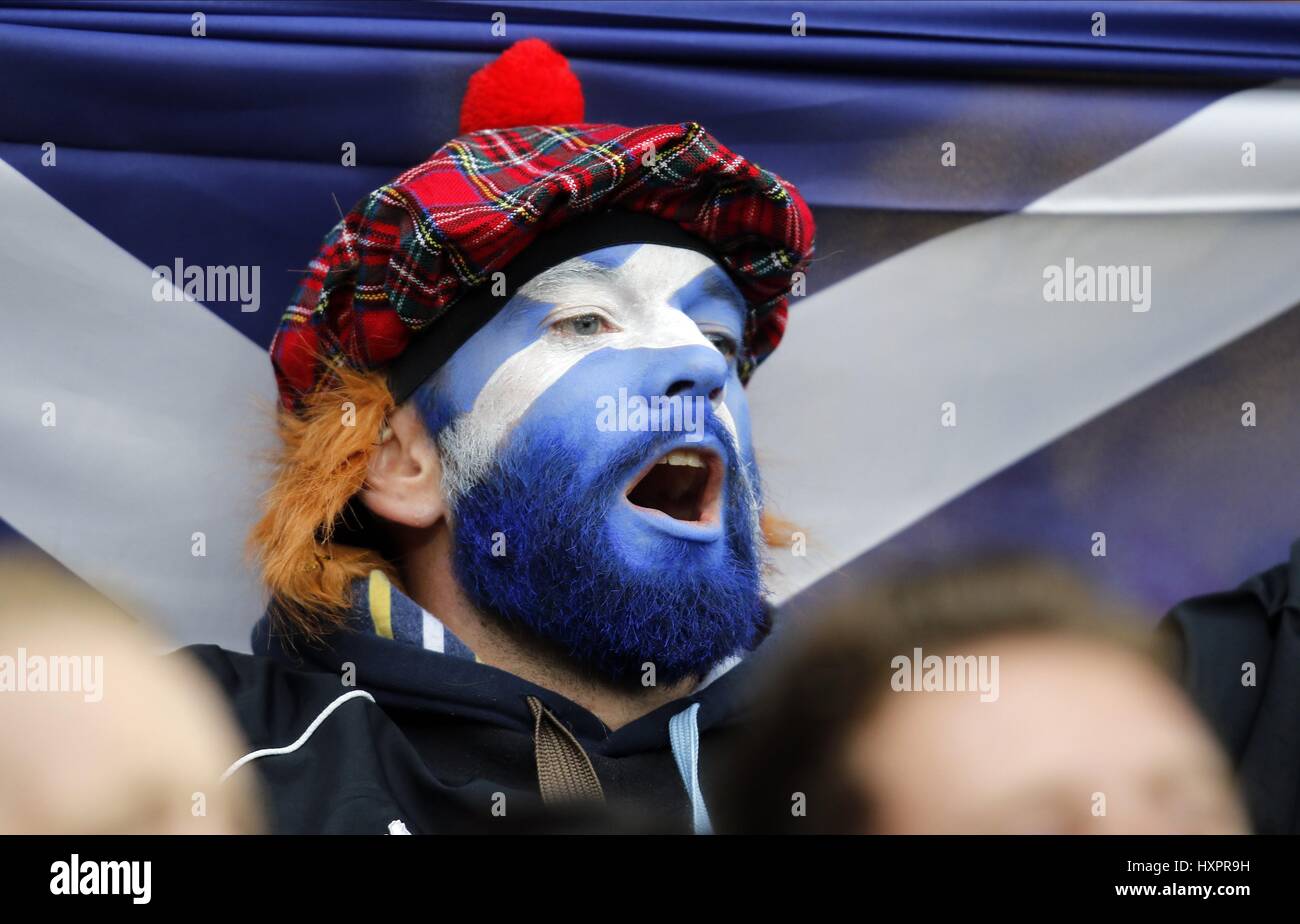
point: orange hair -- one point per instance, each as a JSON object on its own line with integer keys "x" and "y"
{"x": 777, "y": 531}
{"x": 320, "y": 467}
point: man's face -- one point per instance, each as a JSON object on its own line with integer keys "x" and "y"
{"x": 1084, "y": 738}
{"x": 595, "y": 439}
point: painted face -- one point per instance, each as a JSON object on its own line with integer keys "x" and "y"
{"x": 596, "y": 447}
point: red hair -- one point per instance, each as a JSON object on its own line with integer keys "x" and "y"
{"x": 321, "y": 465}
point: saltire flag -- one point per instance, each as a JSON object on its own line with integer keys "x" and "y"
{"x": 1053, "y": 298}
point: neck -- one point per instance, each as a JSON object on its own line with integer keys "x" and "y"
{"x": 431, "y": 582}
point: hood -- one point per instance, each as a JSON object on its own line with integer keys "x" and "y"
{"x": 407, "y": 659}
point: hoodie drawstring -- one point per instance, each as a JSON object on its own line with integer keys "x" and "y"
{"x": 564, "y": 771}
{"x": 684, "y": 736}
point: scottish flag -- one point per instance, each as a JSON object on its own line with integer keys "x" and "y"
{"x": 1051, "y": 305}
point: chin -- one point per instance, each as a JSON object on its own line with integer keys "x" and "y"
{"x": 655, "y": 559}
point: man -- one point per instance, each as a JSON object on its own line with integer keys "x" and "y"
{"x": 997, "y": 697}
{"x": 514, "y": 541}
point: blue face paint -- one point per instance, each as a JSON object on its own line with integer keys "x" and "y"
{"x": 709, "y": 299}
{"x": 610, "y": 598}
{"x": 515, "y": 412}
{"x": 612, "y": 257}
{"x": 714, "y": 303}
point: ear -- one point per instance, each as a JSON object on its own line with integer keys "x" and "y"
{"x": 404, "y": 481}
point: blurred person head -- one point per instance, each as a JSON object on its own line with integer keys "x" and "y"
{"x": 103, "y": 735}
{"x": 991, "y": 698}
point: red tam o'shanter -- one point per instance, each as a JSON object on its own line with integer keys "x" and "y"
{"x": 529, "y": 84}
{"x": 398, "y": 267}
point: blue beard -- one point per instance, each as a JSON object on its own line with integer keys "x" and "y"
{"x": 566, "y": 578}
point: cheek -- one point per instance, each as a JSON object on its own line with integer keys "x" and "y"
{"x": 460, "y": 382}
{"x": 550, "y": 403}
{"x": 737, "y": 403}
{"x": 566, "y": 414}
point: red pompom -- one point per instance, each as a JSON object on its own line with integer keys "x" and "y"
{"x": 529, "y": 84}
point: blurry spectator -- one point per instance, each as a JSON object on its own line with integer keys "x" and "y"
{"x": 1069, "y": 721}
{"x": 101, "y": 734}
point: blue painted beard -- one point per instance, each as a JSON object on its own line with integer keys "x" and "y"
{"x": 571, "y": 577}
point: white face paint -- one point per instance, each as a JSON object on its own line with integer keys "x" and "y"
{"x": 634, "y": 296}
{"x": 628, "y": 540}
{"x": 642, "y": 296}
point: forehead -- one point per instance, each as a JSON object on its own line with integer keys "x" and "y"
{"x": 640, "y": 275}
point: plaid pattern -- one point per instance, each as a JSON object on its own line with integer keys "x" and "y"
{"x": 410, "y": 250}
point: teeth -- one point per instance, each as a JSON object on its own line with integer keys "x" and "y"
{"x": 682, "y": 458}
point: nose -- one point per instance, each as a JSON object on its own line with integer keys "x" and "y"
{"x": 689, "y": 371}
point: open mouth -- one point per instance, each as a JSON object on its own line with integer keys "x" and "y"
{"x": 684, "y": 484}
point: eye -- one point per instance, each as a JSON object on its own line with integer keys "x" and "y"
{"x": 723, "y": 343}
{"x": 582, "y": 325}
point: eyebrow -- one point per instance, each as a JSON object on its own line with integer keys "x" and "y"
{"x": 718, "y": 285}
{"x": 559, "y": 281}
{"x": 548, "y": 286}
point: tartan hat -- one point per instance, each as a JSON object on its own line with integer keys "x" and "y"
{"x": 406, "y": 276}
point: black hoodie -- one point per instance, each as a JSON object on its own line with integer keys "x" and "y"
{"x": 425, "y": 742}
{"x": 1241, "y": 664}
